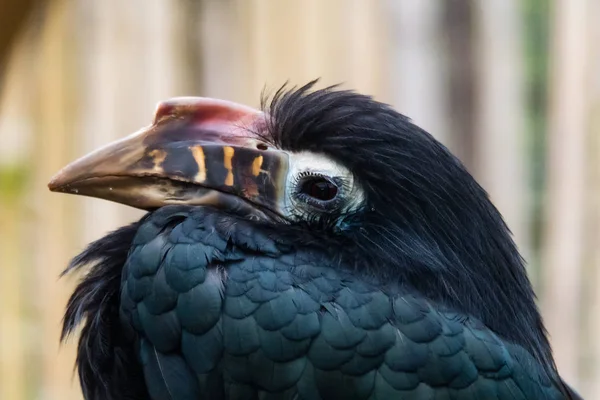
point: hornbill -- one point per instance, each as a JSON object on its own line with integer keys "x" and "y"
{"x": 322, "y": 247}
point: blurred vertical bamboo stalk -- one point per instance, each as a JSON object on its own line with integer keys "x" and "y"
{"x": 15, "y": 132}
{"x": 119, "y": 88}
{"x": 323, "y": 46}
{"x": 563, "y": 242}
{"x": 369, "y": 40}
{"x": 11, "y": 334}
{"x": 13, "y": 19}
{"x": 54, "y": 241}
{"x": 500, "y": 142}
{"x": 591, "y": 346}
{"x": 225, "y": 74}
{"x": 590, "y": 373}
{"x": 99, "y": 88}
{"x": 11, "y": 345}
{"x": 418, "y": 61}
{"x": 456, "y": 38}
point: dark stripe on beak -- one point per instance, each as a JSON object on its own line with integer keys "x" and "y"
{"x": 195, "y": 146}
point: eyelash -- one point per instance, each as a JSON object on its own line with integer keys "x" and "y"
{"x": 342, "y": 184}
{"x": 298, "y": 178}
{"x": 304, "y": 174}
{"x": 334, "y": 205}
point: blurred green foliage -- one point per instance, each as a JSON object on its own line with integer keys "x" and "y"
{"x": 536, "y": 15}
{"x": 13, "y": 179}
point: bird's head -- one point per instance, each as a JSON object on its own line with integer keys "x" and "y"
{"x": 339, "y": 170}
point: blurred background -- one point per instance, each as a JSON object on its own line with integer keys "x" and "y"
{"x": 510, "y": 86}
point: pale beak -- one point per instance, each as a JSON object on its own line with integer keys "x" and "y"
{"x": 197, "y": 151}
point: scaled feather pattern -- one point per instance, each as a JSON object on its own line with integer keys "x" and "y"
{"x": 420, "y": 293}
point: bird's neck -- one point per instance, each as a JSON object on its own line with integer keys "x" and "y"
{"x": 473, "y": 270}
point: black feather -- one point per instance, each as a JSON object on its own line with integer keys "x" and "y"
{"x": 426, "y": 227}
{"x": 107, "y": 363}
{"x": 425, "y": 215}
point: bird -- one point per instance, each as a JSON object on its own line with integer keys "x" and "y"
{"x": 320, "y": 246}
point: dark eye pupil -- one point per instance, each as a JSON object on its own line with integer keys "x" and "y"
{"x": 320, "y": 188}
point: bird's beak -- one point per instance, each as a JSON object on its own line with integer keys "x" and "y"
{"x": 197, "y": 151}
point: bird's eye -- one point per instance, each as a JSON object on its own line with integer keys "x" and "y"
{"x": 319, "y": 188}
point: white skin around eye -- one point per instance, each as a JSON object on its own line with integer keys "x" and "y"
{"x": 321, "y": 165}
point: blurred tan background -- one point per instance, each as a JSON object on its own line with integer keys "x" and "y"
{"x": 511, "y": 86}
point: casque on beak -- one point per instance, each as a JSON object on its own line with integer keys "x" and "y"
{"x": 197, "y": 151}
